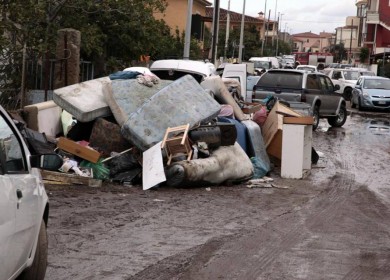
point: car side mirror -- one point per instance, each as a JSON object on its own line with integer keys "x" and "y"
{"x": 50, "y": 162}
{"x": 336, "y": 87}
{"x": 358, "y": 86}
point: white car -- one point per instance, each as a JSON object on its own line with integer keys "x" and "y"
{"x": 23, "y": 205}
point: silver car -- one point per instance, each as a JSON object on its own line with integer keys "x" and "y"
{"x": 24, "y": 208}
{"x": 371, "y": 92}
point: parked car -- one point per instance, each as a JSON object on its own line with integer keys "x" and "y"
{"x": 173, "y": 69}
{"x": 24, "y": 207}
{"x": 251, "y": 82}
{"x": 345, "y": 78}
{"x": 310, "y": 68}
{"x": 264, "y": 63}
{"x": 371, "y": 92}
{"x": 316, "y": 89}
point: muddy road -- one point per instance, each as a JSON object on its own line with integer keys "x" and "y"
{"x": 335, "y": 224}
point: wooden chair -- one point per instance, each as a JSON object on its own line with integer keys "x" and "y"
{"x": 176, "y": 142}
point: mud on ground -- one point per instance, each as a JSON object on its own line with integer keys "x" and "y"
{"x": 335, "y": 224}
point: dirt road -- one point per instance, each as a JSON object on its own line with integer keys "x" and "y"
{"x": 335, "y": 224}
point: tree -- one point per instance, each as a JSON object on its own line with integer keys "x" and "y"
{"x": 364, "y": 54}
{"x": 115, "y": 31}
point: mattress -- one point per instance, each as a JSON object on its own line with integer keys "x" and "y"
{"x": 128, "y": 95}
{"x": 85, "y": 101}
{"x": 183, "y": 101}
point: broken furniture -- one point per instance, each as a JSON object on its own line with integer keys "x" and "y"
{"x": 176, "y": 142}
{"x": 78, "y": 150}
{"x": 44, "y": 117}
{"x": 227, "y": 163}
{"x": 273, "y": 127}
{"x": 296, "y": 147}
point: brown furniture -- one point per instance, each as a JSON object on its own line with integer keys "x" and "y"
{"x": 176, "y": 142}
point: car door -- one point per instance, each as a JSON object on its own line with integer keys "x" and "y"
{"x": 336, "y": 79}
{"x": 329, "y": 98}
{"x": 7, "y": 225}
{"x": 312, "y": 89}
{"x": 23, "y": 197}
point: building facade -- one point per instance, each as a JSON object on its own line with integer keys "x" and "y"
{"x": 175, "y": 14}
{"x": 348, "y": 36}
{"x": 311, "y": 42}
{"x": 374, "y": 26}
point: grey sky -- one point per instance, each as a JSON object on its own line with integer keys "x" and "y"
{"x": 300, "y": 15}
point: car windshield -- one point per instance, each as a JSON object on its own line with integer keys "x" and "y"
{"x": 376, "y": 84}
{"x": 367, "y": 73}
{"x": 281, "y": 79}
{"x": 351, "y": 75}
{"x": 262, "y": 64}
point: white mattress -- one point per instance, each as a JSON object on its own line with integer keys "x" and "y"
{"x": 85, "y": 101}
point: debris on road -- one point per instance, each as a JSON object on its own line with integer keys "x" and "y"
{"x": 207, "y": 136}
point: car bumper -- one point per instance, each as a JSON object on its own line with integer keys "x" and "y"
{"x": 376, "y": 103}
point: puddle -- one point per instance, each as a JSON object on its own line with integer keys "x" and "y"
{"x": 379, "y": 127}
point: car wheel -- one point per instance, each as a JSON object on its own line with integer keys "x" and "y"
{"x": 340, "y": 119}
{"x": 347, "y": 94}
{"x": 316, "y": 117}
{"x": 37, "y": 270}
{"x": 359, "y": 105}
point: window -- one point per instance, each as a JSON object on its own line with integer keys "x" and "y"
{"x": 11, "y": 155}
{"x": 312, "y": 82}
{"x": 326, "y": 84}
{"x": 336, "y": 75}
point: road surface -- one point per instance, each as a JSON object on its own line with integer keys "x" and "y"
{"x": 335, "y": 224}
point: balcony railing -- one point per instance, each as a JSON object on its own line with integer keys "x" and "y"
{"x": 372, "y": 17}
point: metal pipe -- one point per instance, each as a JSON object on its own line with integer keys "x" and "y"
{"x": 187, "y": 39}
{"x": 241, "y": 34}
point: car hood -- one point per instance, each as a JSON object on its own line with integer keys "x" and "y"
{"x": 352, "y": 82}
{"x": 377, "y": 92}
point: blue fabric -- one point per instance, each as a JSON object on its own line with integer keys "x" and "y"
{"x": 124, "y": 75}
{"x": 241, "y": 131}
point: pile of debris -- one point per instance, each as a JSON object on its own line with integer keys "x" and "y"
{"x": 134, "y": 128}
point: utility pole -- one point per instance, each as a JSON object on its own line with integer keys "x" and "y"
{"x": 273, "y": 29}
{"x": 187, "y": 39}
{"x": 227, "y": 30}
{"x": 350, "y": 44}
{"x": 262, "y": 43}
{"x": 241, "y": 34}
{"x": 214, "y": 41}
{"x": 277, "y": 34}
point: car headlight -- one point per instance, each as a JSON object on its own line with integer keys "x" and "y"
{"x": 365, "y": 94}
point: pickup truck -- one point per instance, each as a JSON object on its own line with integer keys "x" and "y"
{"x": 315, "y": 89}
{"x": 346, "y": 79}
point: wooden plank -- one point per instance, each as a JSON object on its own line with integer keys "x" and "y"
{"x": 78, "y": 150}
{"x": 70, "y": 179}
{"x": 307, "y": 120}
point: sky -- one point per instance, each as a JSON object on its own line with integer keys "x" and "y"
{"x": 298, "y": 16}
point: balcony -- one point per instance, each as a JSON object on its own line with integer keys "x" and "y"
{"x": 372, "y": 17}
{"x": 361, "y": 2}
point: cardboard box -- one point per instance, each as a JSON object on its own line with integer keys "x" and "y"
{"x": 78, "y": 150}
{"x": 250, "y": 108}
{"x": 273, "y": 127}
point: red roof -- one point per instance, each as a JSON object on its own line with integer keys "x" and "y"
{"x": 307, "y": 35}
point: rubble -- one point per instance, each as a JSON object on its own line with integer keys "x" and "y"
{"x": 109, "y": 127}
